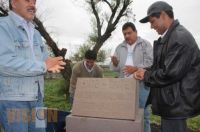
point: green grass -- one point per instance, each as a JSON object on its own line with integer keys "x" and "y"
{"x": 155, "y": 119}
{"x": 55, "y": 95}
{"x": 55, "y": 98}
{"x": 194, "y": 123}
{"x": 108, "y": 73}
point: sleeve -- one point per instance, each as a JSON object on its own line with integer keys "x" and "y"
{"x": 45, "y": 54}
{"x": 13, "y": 65}
{"x": 73, "y": 80}
{"x": 176, "y": 65}
{"x": 148, "y": 55}
{"x": 112, "y": 67}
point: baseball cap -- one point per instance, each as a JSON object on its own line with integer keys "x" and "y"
{"x": 156, "y": 7}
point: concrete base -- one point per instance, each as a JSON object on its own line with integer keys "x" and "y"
{"x": 88, "y": 124}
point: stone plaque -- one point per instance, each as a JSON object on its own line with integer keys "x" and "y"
{"x": 115, "y": 98}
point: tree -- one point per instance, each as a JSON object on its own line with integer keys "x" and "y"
{"x": 3, "y": 8}
{"x": 118, "y": 9}
{"x": 66, "y": 73}
{"x": 80, "y": 53}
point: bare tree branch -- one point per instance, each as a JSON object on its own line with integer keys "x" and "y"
{"x": 111, "y": 8}
{"x": 113, "y": 21}
{"x": 114, "y": 12}
{"x": 96, "y": 16}
{"x": 51, "y": 43}
{"x": 46, "y": 36}
{"x": 66, "y": 73}
{"x": 126, "y": 3}
{"x": 3, "y": 12}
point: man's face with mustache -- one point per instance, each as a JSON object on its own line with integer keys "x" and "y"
{"x": 25, "y": 8}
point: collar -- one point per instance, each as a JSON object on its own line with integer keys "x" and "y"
{"x": 89, "y": 70}
{"x": 169, "y": 31}
{"x": 138, "y": 41}
{"x": 20, "y": 21}
{"x": 130, "y": 47}
{"x": 162, "y": 36}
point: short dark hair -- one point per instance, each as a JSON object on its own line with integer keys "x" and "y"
{"x": 169, "y": 13}
{"x": 129, "y": 24}
{"x": 90, "y": 55}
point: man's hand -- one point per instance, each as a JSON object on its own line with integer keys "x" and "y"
{"x": 56, "y": 69}
{"x": 55, "y": 64}
{"x": 139, "y": 74}
{"x": 129, "y": 70}
{"x": 114, "y": 61}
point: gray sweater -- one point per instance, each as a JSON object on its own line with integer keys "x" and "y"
{"x": 142, "y": 52}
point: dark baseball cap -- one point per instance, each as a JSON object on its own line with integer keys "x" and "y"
{"x": 156, "y": 7}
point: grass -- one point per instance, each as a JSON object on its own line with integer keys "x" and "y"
{"x": 108, "y": 73}
{"x": 55, "y": 95}
{"x": 194, "y": 123}
{"x": 55, "y": 98}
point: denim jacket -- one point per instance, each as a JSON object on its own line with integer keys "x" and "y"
{"x": 142, "y": 55}
{"x": 21, "y": 73}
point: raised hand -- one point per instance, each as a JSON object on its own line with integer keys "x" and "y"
{"x": 114, "y": 60}
{"x": 127, "y": 70}
{"x": 56, "y": 69}
{"x": 55, "y": 64}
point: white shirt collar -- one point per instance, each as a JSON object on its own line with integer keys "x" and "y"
{"x": 89, "y": 70}
{"x": 130, "y": 47}
{"x": 164, "y": 34}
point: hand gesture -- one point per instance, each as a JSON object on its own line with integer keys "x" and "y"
{"x": 127, "y": 70}
{"x": 139, "y": 74}
{"x": 115, "y": 61}
{"x": 55, "y": 64}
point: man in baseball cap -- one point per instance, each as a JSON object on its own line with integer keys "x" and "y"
{"x": 174, "y": 77}
{"x": 156, "y": 7}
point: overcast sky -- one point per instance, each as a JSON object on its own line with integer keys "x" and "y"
{"x": 69, "y": 22}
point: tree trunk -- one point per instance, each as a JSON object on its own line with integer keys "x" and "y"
{"x": 66, "y": 73}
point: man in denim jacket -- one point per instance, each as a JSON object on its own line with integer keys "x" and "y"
{"x": 130, "y": 55}
{"x": 23, "y": 62}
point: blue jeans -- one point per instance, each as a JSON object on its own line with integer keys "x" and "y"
{"x": 143, "y": 95}
{"x": 19, "y": 116}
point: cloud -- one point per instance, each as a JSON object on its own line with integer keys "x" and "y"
{"x": 70, "y": 22}
{"x": 65, "y": 20}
